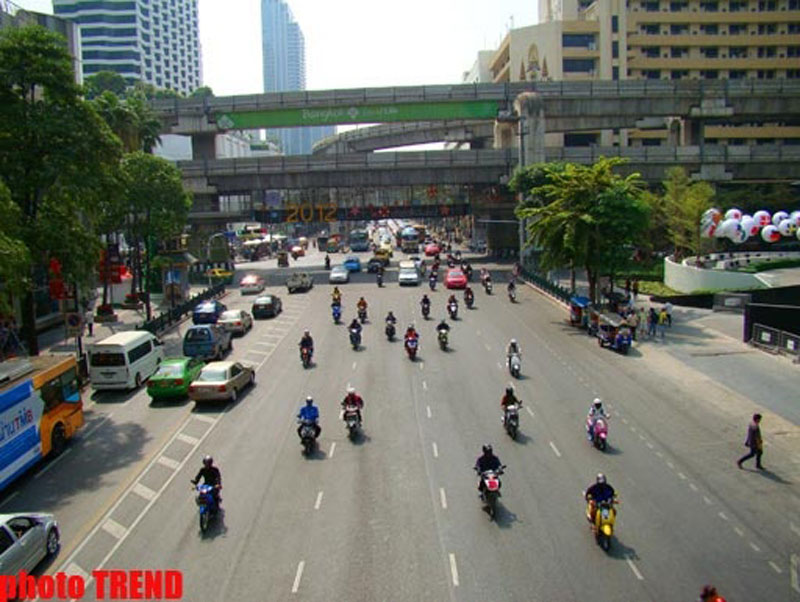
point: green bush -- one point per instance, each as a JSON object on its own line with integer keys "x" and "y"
{"x": 763, "y": 266}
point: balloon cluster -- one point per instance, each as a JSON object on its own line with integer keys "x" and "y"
{"x": 738, "y": 227}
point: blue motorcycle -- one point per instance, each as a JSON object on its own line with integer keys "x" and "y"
{"x": 206, "y": 505}
{"x": 337, "y": 313}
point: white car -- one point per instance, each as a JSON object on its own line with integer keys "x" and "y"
{"x": 339, "y": 275}
{"x": 419, "y": 262}
{"x": 251, "y": 284}
{"x": 236, "y": 320}
{"x": 26, "y": 540}
{"x": 408, "y": 275}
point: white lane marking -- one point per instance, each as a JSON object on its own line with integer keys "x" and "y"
{"x": 298, "y": 576}
{"x": 114, "y": 529}
{"x": 52, "y": 463}
{"x": 424, "y": 386}
{"x": 499, "y": 366}
{"x": 649, "y": 445}
{"x": 633, "y": 429}
{"x": 204, "y": 418}
{"x": 693, "y": 487}
{"x": 9, "y": 498}
{"x": 634, "y": 569}
{"x": 478, "y": 332}
{"x": 775, "y": 567}
{"x": 641, "y": 436}
{"x": 794, "y": 561}
{"x": 555, "y": 449}
{"x": 319, "y": 501}
{"x": 74, "y": 569}
{"x": 722, "y": 515}
{"x": 422, "y": 365}
{"x": 428, "y": 410}
{"x": 188, "y": 439}
{"x": 89, "y": 433}
{"x": 443, "y": 498}
{"x": 144, "y": 491}
{"x": 682, "y": 476}
{"x": 265, "y": 343}
{"x": 755, "y": 547}
{"x": 707, "y": 500}
{"x": 530, "y": 411}
{"x": 435, "y": 450}
{"x": 670, "y": 464}
{"x": 168, "y": 462}
{"x": 454, "y": 569}
{"x": 258, "y": 352}
{"x": 354, "y": 365}
{"x": 333, "y": 447}
{"x": 739, "y": 532}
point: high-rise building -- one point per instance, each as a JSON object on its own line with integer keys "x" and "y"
{"x": 156, "y": 42}
{"x": 658, "y": 39}
{"x": 284, "y": 53}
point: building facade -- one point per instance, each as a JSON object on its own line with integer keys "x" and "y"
{"x": 153, "y": 41}
{"x": 284, "y": 69}
{"x": 658, "y": 39}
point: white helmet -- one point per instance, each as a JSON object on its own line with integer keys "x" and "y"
{"x": 513, "y": 341}
{"x": 351, "y": 389}
{"x": 597, "y": 402}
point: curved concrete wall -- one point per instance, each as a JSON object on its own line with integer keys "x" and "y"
{"x": 688, "y": 278}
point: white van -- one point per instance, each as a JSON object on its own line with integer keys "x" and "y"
{"x": 124, "y": 360}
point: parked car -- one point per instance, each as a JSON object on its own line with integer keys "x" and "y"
{"x": 251, "y": 284}
{"x": 208, "y": 312}
{"x": 299, "y": 281}
{"x": 432, "y": 249}
{"x": 455, "y": 278}
{"x": 174, "y": 377}
{"x": 236, "y": 321}
{"x": 25, "y": 540}
{"x": 352, "y": 263}
{"x": 222, "y": 381}
{"x": 339, "y": 275}
{"x": 267, "y": 306}
{"x": 207, "y": 341}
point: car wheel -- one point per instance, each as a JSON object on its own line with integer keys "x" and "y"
{"x": 58, "y": 440}
{"x": 230, "y": 345}
{"x": 138, "y": 380}
{"x": 52, "y": 541}
{"x": 234, "y": 395}
{"x": 252, "y": 379}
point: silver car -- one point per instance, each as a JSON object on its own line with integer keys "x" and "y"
{"x": 236, "y": 320}
{"x": 221, "y": 381}
{"x": 339, "y": 275}
{"x": 26, "y": 540}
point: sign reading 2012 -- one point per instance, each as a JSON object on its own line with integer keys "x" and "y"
{"x": 310, "y": 213}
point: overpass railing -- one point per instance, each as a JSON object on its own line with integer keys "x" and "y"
{"x": 678, "y": 154}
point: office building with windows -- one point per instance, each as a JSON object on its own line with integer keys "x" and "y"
{"x": 153, "y": 41}
{"x": 658, "y": 39}
{"x": 284, "y": 68}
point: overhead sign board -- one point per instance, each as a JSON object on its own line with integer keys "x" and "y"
{"x": 376, "y": 113}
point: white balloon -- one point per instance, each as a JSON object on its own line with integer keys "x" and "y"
{"x": 736, "y": 233}
{"x": 762, "y": 218}
{"x": 750, "y": 226}
{"x": 733, "y": 214}
{"x": 795, "y": 217}
{"x": 778, "y": 217}
{"x": 770, "y": 234}
{"x": 728, "y": 226}
{"x": 787, "y": 227}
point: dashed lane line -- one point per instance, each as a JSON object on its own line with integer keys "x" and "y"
{"x": 114, "y": 529}
{"x": 187, "y": 439}
{"x": 722, "y": 515}
{"x": 443, "y": 498}
{"x": 755, "y": 547}
{"x": 168, "y": 462}
{"x": 424, "y": 385}
{"x": 794, "y": 528}
{"x": 793, "y": 565}
{"x": 435, "y": 450}
{"x": 354, "y": 365}
{"x": 707, "y": 500}
{"x": 333, "y": 447}
{"x": 693, "y": 487}
{"x": 90, "y": 432}
{"x": 530, "y": 411}
{"x": 298, "y": 575}
{"x": 453, "y": 569}
{"x": 9, "y": 498}
{"x": 739, "y": 532}
{"x": 775, "y": 567}
{"x": 555, "y": 449}
{"x": 52, "y": 463}
{"x": 635, "y": 570}
{"x": 143, "y": 491}
{"x": 428, "y": 411}
{"x": 319, "y": 501}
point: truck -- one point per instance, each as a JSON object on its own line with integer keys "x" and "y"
{"x": 409, "y": 240}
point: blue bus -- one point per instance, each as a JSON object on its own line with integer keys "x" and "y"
{"x": 359, "y": 240}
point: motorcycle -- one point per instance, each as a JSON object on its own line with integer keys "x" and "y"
{"x": 469, "y": 300}
{"x": 598, "y": 434}
{"x": 355, "y": 338}
{"x": 426, "y": 311}
{"x": 337, "y": 313}
{"x": 308, "y": 436}
{"x": 443, "y": 339}
{"x": 487, "y": 286}
{"x": 390, "y": 331}
{"x": 514, "y": 365}
{"x": 412, "y": 345}
{"x": 206, "y": 505}
{"x": 379, "y": 279}
{"x": 452, "y": 309}
{"x": 604, "y": 519}
{"x": 512, "y": 295}
{"x": 305, "y": 356}
{"x": 490, "y": 492}
{"x": 432, "y": 282}
{"x": 362, "y": 315}
{"x": 351, "y": 421}
{"x": 511, "y": 419}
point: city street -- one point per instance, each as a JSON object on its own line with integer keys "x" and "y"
{"x": 395, "y": 515}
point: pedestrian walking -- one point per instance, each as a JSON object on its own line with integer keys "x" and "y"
{"x": 668, "y": 308}
{"x": 754, "y": 442}
{"x": 633, "y": 322}
{"x": 89, "y": 319}
{"x": 628, "y": 286}
{"x": 635, "y": 289}
{"x": 663, "y": 318}
{"x": 652, "y": 321}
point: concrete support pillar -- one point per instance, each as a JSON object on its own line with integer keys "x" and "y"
{"x": 530, "y": 108}
{"x": 204, "y": 146}
{"x": 693, "y": 132}
{"x": 503, "y": 134}
{"x": 674, "y": 132}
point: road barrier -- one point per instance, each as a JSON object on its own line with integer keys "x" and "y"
{"x": 549, "y": 287}
{"x": 775, "y": 340}
{"x": 166, "y": 319}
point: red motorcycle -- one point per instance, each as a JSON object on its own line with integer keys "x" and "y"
{"x": 412, "y": 344}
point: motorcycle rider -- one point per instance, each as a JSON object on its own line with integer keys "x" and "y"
{"x": 509, "y": 399}
{"x": 425, "y": 303}
{"x": 596, "y": 410}
{"x": 488, "y": 461}
{"x": 599, "y": 492}
{"x": 411, "y": 333}
{"x": 309, "y": 412}
{"x": 361, "y": 305}
{"x": 307, "y": 343}
{"x": 327, "y": 262}
{"x": 211, "y": 476}
{"x": 336, "y": 296}
{"x": 469, "y": 296}
{"x": 353, "y": 399}
{"x": 355, "y": 325}
{"x": 452, "y": 301}
{"x": 432, "y": 280}
{"x": 390, "y": 318}
{"x": 443, "y": 325}
{"x": 512, "y": 287}
{"x": 513, "y": 348}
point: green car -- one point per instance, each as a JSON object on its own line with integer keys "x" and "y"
{"x": 174, "y": 377}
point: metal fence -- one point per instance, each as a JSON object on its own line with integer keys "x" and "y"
{"x": 166, "y": 319}
{"x": 539, "y": 281}
{"x": 776, "y": 341}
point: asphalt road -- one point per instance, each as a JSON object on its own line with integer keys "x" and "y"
{"x": 395, "y": 515}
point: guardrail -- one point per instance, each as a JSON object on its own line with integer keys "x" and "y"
{"x": 540, "y": 281}
{"x": 166, "y": 319}
{"x": 775, "y": 340}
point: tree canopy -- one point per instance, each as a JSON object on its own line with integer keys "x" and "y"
{"x": 104, "y": 81}
{"x": 684, "y": 203}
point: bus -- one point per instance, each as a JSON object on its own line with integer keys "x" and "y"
{"x": 359, "y": 240}
{"x": 421, "y": 231}
{"x": 40, "y": 410}
{"x": 409, "y": 240}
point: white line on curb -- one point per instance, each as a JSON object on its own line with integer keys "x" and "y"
{"x": 9, "y": 498}
{"x": 52, "y": 463}
{"x": 298, "y": 576}
{"x": 424, "y": 386}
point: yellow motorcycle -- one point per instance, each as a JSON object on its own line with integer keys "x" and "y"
{"x": 603, "y": 523}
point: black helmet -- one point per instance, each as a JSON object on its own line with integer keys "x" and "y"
{"x": 208, "y": 461}
{"x": 509, "y": 390}
{"x": 487, "y": 449}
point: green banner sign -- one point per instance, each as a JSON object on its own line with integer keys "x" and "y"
{"x": 378, "y": 113}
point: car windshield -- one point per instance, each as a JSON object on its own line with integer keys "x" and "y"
{"x": 170, "y": 370}
{"x": 232, "y": 314}
{"x": 198, "y": 335}
{"x": 352, "y": 259}
{"x": 213, "y": 374}
{"x": 206, "y": 308}
{"x": 339, "y": 268}
{"x": 456, "y": 274}
{"x": 250, "y": 280}
{"x": 264, "y": 301}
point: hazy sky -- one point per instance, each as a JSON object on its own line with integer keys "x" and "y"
{"x": 354, "y": 43}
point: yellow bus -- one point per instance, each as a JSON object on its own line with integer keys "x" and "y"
{"x": 40, "y": 410}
